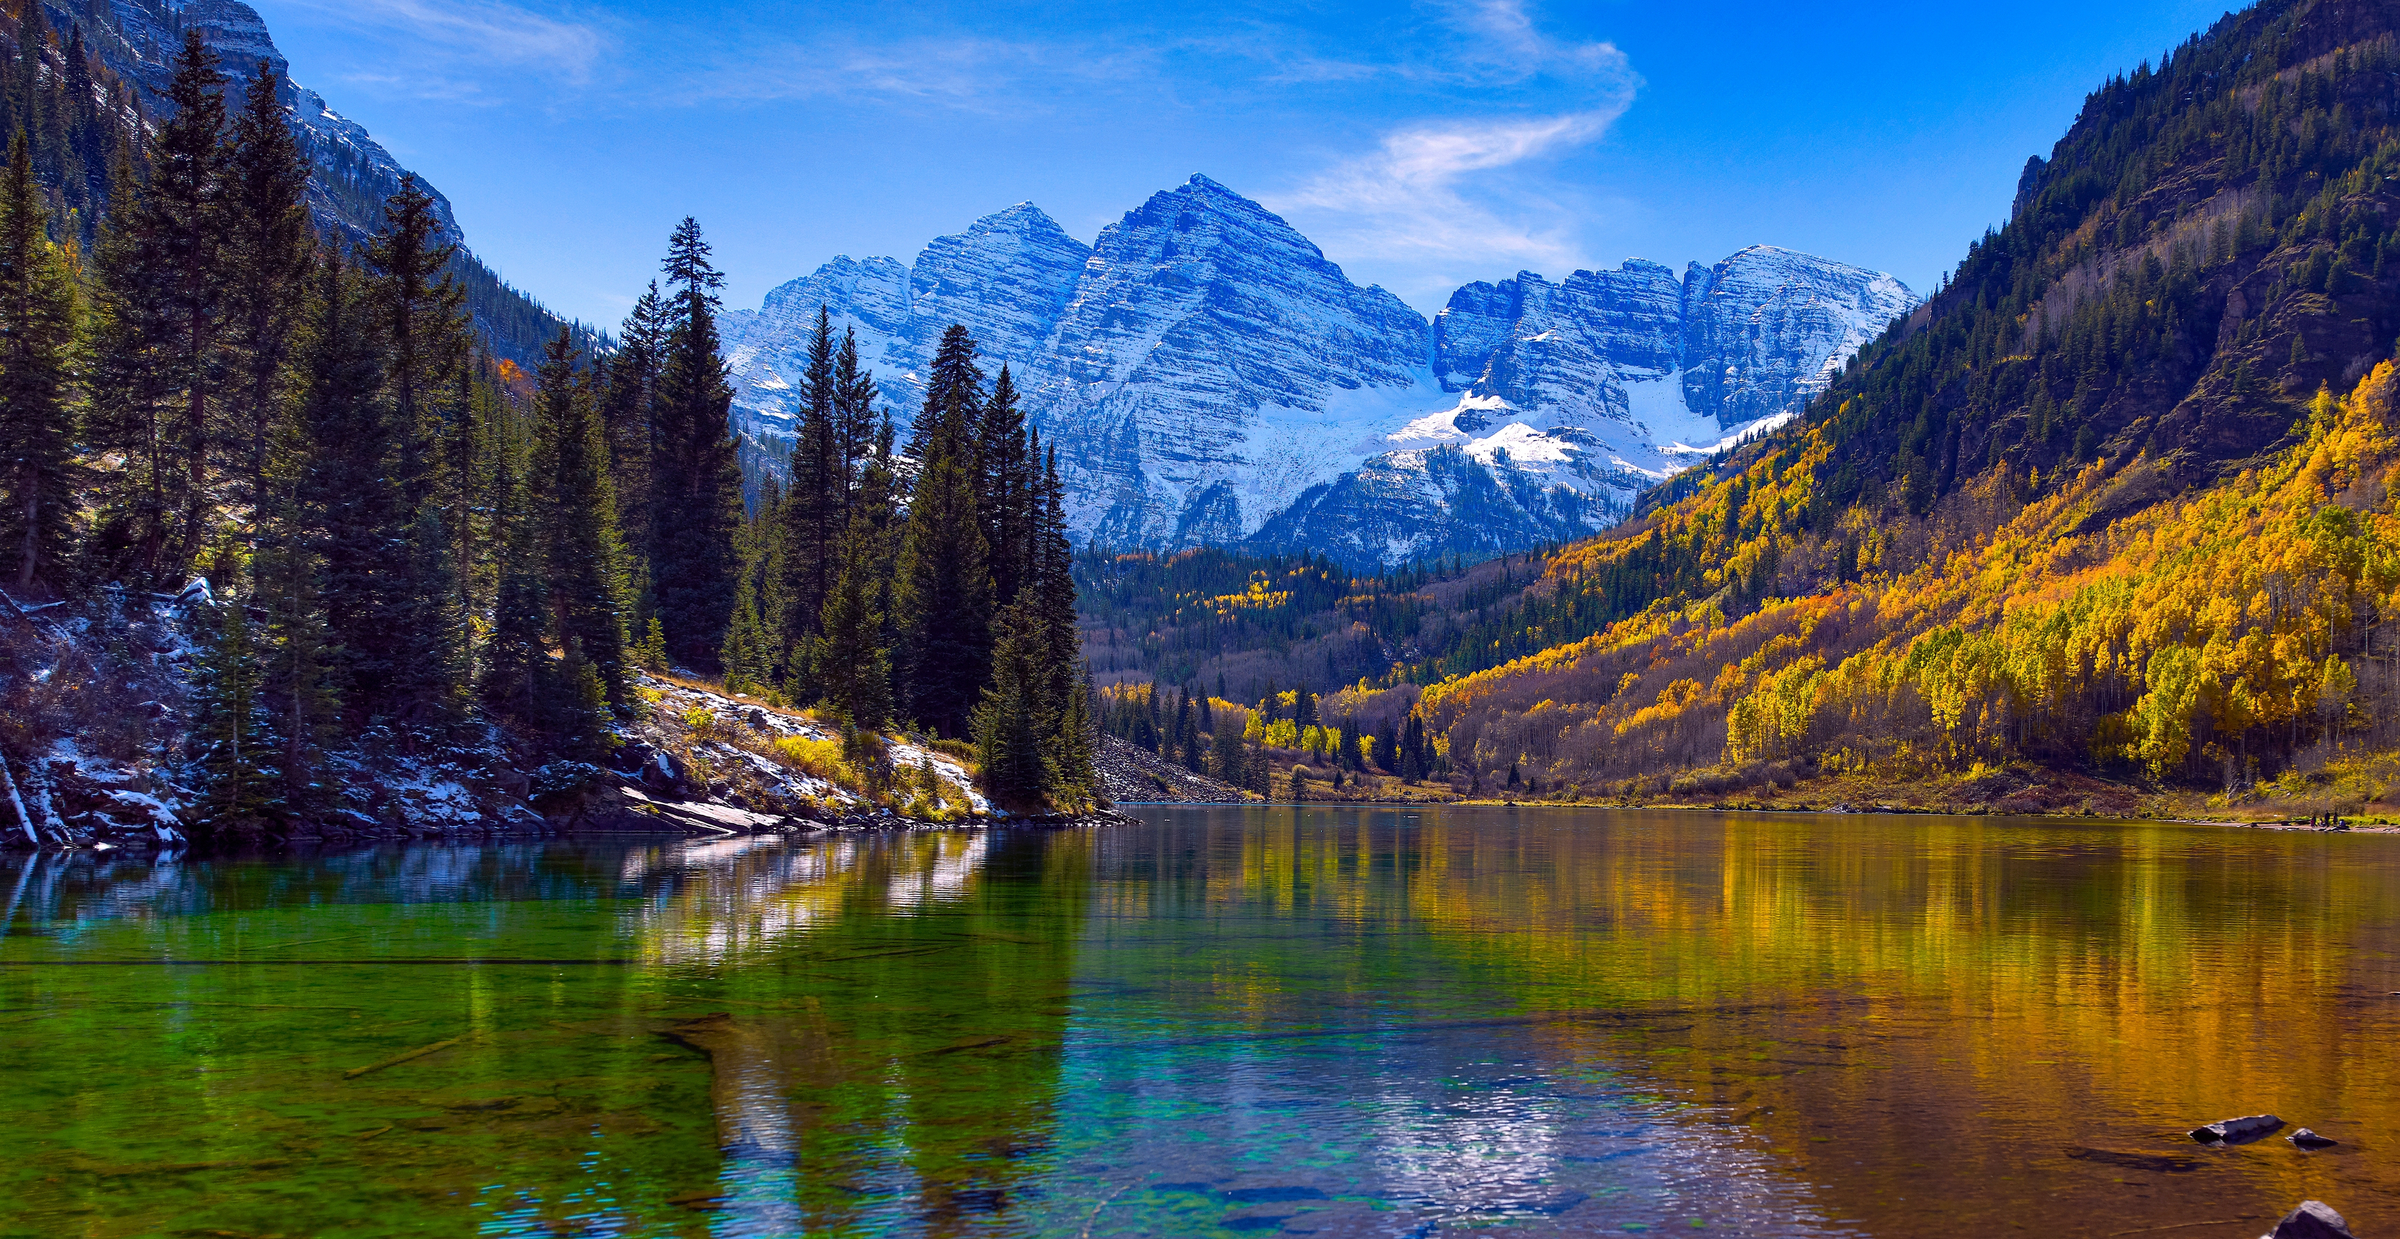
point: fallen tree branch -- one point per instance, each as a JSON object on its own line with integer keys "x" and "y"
{"x": 18, "y": 802}
{"x": 402, "y": 1057}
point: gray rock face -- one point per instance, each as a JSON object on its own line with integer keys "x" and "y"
{"x": 767, "y": 348}
{"x": 1007, "y": 278}
{"x": 1208, "y": 368}
{"x": 1767, "y": 329}
{"x": 1210, "y": 377}
{"x": 1431, "y": 502}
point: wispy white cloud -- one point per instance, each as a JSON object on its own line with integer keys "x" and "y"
{"x": 480, "y": 32}
{"x": 1410, "y": 198}
{"x": 1454, "y": 192}
{"x": 970, "y": 73}
{"x": 1508, "y": 37}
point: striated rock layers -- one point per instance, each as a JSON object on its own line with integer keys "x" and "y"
{"x": 1210, "y": 377}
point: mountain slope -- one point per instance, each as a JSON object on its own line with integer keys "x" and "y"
{"x": 1008, "y": 277}
{"x": 352, "y": 174}
{"x": 2093, "y": 508}
{"x": 1211, "y": 378}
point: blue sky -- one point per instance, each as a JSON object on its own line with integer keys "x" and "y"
{"x": 1420, "y": 145}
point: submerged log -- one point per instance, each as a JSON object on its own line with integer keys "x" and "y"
{"x": 402, "y": 1057}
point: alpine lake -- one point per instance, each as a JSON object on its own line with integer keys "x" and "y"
{"x": 1214, "y": 1021}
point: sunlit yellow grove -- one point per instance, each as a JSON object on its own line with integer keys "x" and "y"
{"x": 2225, "y": 633}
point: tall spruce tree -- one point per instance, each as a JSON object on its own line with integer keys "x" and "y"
{"x": 417, "y": 318}
{"x": 509, "y": 673}
{"x": 696, "y": 482}
{"x": 752, "y": 655}
{"x": 575, "y": 513}
{"x": 267, "y": 250}
{"x": 625, "y": 405}
{"x": 811, "y": 518}
{"x": 363, "y": 534}
{"x": 1014, "y": 721}
{"x": 420, "y": 314}
{"x": 1007, "y": 490}
{"x": 1052, "y": 593}
{"x": 945, "y": 587}
{"x": 162, "y": 290}
{"x": 38, "y": 323}
{"x": 121, "y": 413}
{"x": 229, "y": 728}
{"x": 298, "y": 681}
{"x": 854, "y": 412}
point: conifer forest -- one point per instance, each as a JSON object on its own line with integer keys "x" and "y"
{"x": 2101, "y": 521}
{"x": 898, "y": 713}
{"x": 409, "y": 545}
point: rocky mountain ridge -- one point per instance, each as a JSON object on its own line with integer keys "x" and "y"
{"x": 1211, "y": 377}
{"x": 351, "y": 173}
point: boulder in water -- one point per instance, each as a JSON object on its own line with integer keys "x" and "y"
{"x": 2314, "y": 1219}
{"x": 2238, "y": 1131}
{"x": 2310, "y": 1140}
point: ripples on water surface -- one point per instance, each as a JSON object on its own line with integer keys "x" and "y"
{"x": 1218, "y": 1021}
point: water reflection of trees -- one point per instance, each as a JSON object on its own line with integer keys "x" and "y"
{"x": 724, "y": 901}
{"x": 888, "y": 1016}
{"x": 1927, "y": 974}
{"x": 80, "y": 891}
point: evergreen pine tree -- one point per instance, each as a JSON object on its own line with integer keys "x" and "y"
{"x": 509, "y": 673}
{"x": 123, "y": 413}
{"x": 1050, "y": 585}
{"x": 228, "y": 728}
{"x": 747, "y": 657}
{"x": 812, "y": 518}
{"x": 298, "y": 678}
{"x": 163, "y": 289}
{"x": 419, "y": 311}
{"x": 854, "y": 412}
{"x": 1226, "y": 761}
{"x": 1010, "y": 722}
{"x": 945, "y": 586}
{"x": 953, "y": 394}
{"x": 696, "y": 477}
{"x": 854, "y": 663}
{"x": 89, "y": 136}
{"x": 575, "y": 518}
{"x": 268, "y": 246}
{"x": 1074, "y": 782}
{"x": 1007, "y": 497}
{"x": 38, "y": 321}
{"x": 626, "y": 404}
{"x": 360, "y": 523}
{"x": 650, "y": 653}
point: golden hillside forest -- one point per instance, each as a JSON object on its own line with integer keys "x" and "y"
{"x": 2105, "y": 523}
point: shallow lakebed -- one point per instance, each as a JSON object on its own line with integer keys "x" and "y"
{"x": 1339, "y": 1021}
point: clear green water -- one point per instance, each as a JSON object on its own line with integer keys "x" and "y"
{"x": 1216, "y": 1022}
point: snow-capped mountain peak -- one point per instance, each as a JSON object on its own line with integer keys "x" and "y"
{"x": 1210, "y": 376}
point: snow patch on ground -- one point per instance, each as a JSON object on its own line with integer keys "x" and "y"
{"x": 677, "y": 701}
